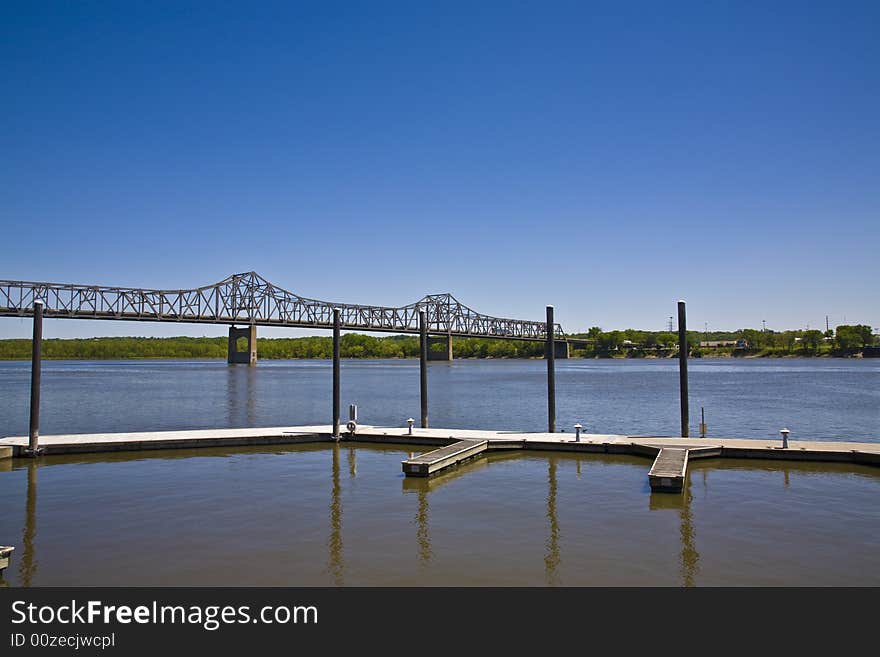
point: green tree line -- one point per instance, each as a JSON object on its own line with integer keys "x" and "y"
{"x": 352, "y": 345}
{"x": 596, "y": 343}
{"x": 844, "y": 341}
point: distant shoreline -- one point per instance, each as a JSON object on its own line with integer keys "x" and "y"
{"x": 223, "y": 358}
{"x": 359, "y": 346}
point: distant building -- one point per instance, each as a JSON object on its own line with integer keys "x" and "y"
{"x": 719, "y": 343}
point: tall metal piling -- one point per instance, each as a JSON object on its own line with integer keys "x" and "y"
{"x": 683, "y": 367}
{"x": 336, "y": 312}
{"x": 36, "y": 366}
{"x": 551, "y": 373}
{"x": 423, "y": 366}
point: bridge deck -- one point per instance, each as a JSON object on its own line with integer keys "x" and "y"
{"x": 248, "y": 298}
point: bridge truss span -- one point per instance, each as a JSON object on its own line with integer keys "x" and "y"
{"x": 249, "y": 298}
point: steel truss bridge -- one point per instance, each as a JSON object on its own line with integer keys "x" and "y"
{"x": 249, "y": 298}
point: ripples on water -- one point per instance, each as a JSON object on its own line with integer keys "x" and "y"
{"x": 831, "y": 399}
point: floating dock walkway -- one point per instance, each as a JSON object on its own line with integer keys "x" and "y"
{"x": 440, "y": 459}
{"x": 455, "y": 446}
{"x": 669, "y": 469}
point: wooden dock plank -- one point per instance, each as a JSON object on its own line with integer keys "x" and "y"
{"x": 445, "y": 457}
{"x": 669, "y": 470}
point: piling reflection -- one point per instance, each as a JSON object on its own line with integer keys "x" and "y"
{"x": 690, "y": 558}
{"x": 689, "y": 565}
{"x": 422, "y": 486}
{"x": 241, "y": 396}
{"x": 352, "y": 463}
{"x": 422, "y": 535}
{"x": 27, "y": 568}
{"x": 551, "y": 561}
{"x": 334, "y": 543}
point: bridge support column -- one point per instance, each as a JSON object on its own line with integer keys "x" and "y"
{"x": 247, "y": 356}
{"x": 440, "y": 354}
{"x": 561, "y": 349}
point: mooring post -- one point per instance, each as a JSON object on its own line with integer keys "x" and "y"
{"x": 36, "y": 362}
{"x": 423, "y": 365}
{"x": 336, "y": 312}
{"x": 683, "y": 367}
{"x": 551, "y": 373}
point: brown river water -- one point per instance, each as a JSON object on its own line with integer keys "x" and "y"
{"x": 345, "y": 515}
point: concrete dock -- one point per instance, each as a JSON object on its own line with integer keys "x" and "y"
{"x": 150, "y": 440}
{"x": 453, "y": 446}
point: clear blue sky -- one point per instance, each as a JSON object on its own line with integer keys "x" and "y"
{"x": 608, "y": 158}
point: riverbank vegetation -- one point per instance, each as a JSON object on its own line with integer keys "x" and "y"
{"x": 846, "y": 340}
{"x": 630, "y": 343}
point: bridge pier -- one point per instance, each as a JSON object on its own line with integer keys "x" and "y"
{"x": 561, "y": 349}
{"x": 247, "y": 356}
{"x": 440, "y": 354}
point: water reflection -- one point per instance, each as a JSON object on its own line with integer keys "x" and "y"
{"x": 28, "y": 566}
{"x": 689, "y": 565}
{"x": 440, "y": 479}
{"x": 422, "y": 536}
{"x": 352, "y": 463}
{"x": 551, "y": 561}
{"x": 241, "y": 396}
{"x": 422, "y": 486}
{"x": 334, "y": 543}
{"x": 400, "y": 542}
{"x": 690, "y": 558}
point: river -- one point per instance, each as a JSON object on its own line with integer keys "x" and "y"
{"x": 345, "y": 515}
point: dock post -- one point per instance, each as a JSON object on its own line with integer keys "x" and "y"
{"x": 784, "y": 433}
{"x": 683, "y": 367}
{"x": 551, "y": 373}
{"x": 336, "y": 373}
{"x": 423, "y": 365}
{"x": 36, "y": 364}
